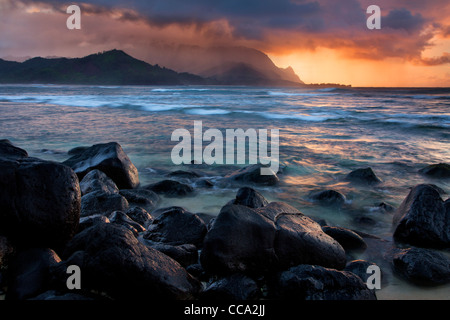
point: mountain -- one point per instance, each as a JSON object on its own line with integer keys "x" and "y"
{"x": 113, "y": 67}
{"x": 220, "y": 63}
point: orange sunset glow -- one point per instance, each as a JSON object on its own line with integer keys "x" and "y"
{"x": 324, "y": 41}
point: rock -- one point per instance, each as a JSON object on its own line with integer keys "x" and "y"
{"x": 40, "y": 202}
{"x": 99, "y": 202}
{"x": 252, "y": 174}
{"x": 203, "y": 183}
{"x": 364, "y": 176}
{"x": 300, "y": 240}
{"x": 440, "y": 170}
{"x": 185, "y": 254}
{"x": 140, "y": 215}
{"x": 359, "y": 267}
{"x": 170, "y": 188}
{"x": 184, "y": 174}
{"x": 115, "y": 262}
{"x": 143, "y": 198}
{"x": 9, "y": 151}
{"x": 108, "y": 158}
{"x": 76, "y": 150}
{"x": 6, "y": 251}
{"x": 307, "y": 282}
{"x": 28, "y": 273}
{"x": 239, "y": 241}
{"x": 241, "y": 238}
{"x": 348, "y": 239}
{"x": 385, "y": 207}
{"x": 236, "y": 287}
{"x": 250, "y": 198}
{"x": 422, "y": 266}
{"x": 89, "y": 221}
{"x": 96, "y": 180}
{"x": 121, "y": 218}
{"x": 364, "y": 221}
{"x": 328, "y": 198}
{"x": 177, "y": 226}
{"x": 422, "y": 219}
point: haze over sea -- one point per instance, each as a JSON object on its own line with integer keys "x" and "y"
{"x": 324, "y": 134}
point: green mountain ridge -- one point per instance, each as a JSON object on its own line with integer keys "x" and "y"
{"x": 113, "y": 67}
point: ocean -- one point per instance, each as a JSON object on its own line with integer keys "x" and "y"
{"x": 324, "y": 133}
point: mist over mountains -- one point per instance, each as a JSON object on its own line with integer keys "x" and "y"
{"x": 188, "y": 66}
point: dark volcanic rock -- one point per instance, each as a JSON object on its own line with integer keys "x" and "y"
{"x": 422, "y": 266}
{"x": 121, "y": 218}
{"x": 108, "y": 158}
{"x": 40, "y": 201}
{"x": 184, "y": 174}
{"x": 348, "y": 239}
{"x": 89, "y": 221}
{"x": 236, "y": 287}
{"x": 440, "y": 170}
{"x": 177, "y": 226}
{"x": 170, "y": 188}
{"x": 422, "y": 219}
{"x": 96, "y": 180}
{"x": 300, "y": 240}
{"x": 240, "y": 240}
{"x": 99, "y": 202}
{"x": 256, "y": 241}
{"x": 9, "y": 151}
{"x": 306, "y": 282}
{"x": 359, "y": 267}
{"x": 364, "y": 175}
{"x": 250, "y": 198}
{"x": 252, "y": 174}
{"x": 143, "y": 198}
{"x": 140, "y": 215}
{"x": 328, "y": 198}
{"x": 114, "y": 261}
{"x": 185, "y": 254}
{"x": 29, "y": 273}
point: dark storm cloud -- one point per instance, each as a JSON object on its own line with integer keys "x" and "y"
{"x": 403, "y": 19}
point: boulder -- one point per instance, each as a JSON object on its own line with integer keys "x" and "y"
{"x": 89, "y": 221}
{"x": 422, "y": 219}
{"x": 239, "y": 241}
{"x": 6, "y": 252}
{"x": 252, "y": 175}
{"x": 236, "y": 287}
{"x": 9, "y": 151}
{"x": 363, "y": 176}
{"x": 108, "y": 158}
{"x": 177, "y": 226}
{"x": 121, "y": 218}
{"x": 300, "y": 240}
{"x": 115, "y": 262}
{"x": 422, "y": 266}
{"x": 348, "y": 239}
{"x": 307, "y": 282}
{"x": 250, "y": 198}
{"x": 96, "y": 180}
{"x": 182, "y": 174}
{"x": 440, "y": 170}
{"x": 185, "y": 254}
{"x": 359, "y": 267}
{"x": 170, "y": 188}
{"x": 40, "y": 201}
{"x": 100, "y": 202}
{"x": 140, "y": 215}
{"x": 143, "y": 198}
{"x": 29, "y": 273}
{"x": 328, "y": 198}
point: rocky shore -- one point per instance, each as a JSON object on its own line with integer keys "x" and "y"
{"x": 91, "y": 211}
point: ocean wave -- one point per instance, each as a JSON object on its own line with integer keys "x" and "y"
{"x": 205, "y": 112}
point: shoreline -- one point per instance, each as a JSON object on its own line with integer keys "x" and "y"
{"x": 145, "y": 211}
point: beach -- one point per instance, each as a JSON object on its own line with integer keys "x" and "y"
{"x": 325, "y": 134}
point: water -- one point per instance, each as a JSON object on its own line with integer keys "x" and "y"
{"x": 324, "y": 134}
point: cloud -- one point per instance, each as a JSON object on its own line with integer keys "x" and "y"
{"x": 403, "y": 19}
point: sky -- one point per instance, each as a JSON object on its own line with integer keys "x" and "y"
{"x": 324, "y": 41}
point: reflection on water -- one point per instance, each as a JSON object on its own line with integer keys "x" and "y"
{"x": 323, "y": 136}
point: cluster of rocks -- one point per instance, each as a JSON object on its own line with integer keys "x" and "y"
{"x": 92, "y": 212}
